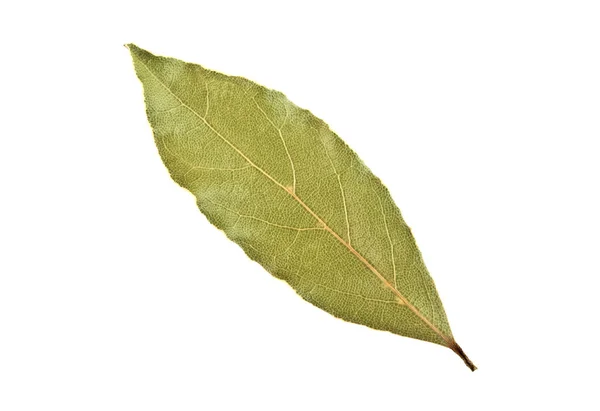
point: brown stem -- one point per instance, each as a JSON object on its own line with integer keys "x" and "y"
{"x": 456, "y": 348}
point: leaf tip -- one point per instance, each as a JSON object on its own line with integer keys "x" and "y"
{"x": 133, "y": 49}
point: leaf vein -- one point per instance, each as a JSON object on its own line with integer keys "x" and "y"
{"x": 339, "y": 184}
{"x": 387, "y": 231}
{"x": 287, "y": 227}
{"x": 282, "y": 140}
{"x": 349, "y": 294}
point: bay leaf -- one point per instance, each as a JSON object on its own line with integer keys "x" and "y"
{"x": 293, "y": 195}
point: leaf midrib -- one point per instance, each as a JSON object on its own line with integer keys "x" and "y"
{"x": 448, "y": 340}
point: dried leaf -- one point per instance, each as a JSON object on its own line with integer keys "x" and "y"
{"x": 293, "y": 195}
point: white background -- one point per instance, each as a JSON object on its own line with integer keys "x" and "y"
{"x": 481, "y": 117}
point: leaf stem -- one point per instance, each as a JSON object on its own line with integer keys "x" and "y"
{"x": 456, "y": 348}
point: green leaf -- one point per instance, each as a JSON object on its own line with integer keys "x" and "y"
{"x": 293, "y": 195}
